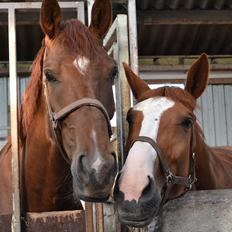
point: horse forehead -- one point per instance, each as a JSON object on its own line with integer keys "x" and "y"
{"x": 152, "y": 110}
{"x": 156, "y": 105}
{"x": 81, "y": 63}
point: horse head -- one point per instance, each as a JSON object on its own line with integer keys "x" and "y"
{"x": 161, "y": 144}
{"x": 78, "y": 76}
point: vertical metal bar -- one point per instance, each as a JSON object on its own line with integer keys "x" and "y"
{"x": 81, "y": 11}
{"x": 89, "y": 217}
{"x": 99, "y": 217}
{"x": 15, "y": 224}
{"x": 122, "y": 87}
{"x": 89, "y": 6}
{"x": 133, "y": 41}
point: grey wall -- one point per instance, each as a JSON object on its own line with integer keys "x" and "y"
{"x": 4, "y": 105}
{"x": 215, "y": 115}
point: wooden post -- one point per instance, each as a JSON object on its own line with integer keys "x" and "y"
{"x": 99, "y": 217}
{"x": 89, "y": 217}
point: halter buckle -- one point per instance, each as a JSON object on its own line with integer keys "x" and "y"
{"x": 54, "y": 123}
{"x": 191, "y": 182}
{"x": 170, "y": 177}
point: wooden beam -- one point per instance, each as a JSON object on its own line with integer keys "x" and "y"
{"x": 183, "y": 68}
{"x": 31, "y": 17}
{"x": 89, "y": 217}
{"x": 172, "y": 17}
{"x": 216, "y": 81}
{"x": 56, "y": 221}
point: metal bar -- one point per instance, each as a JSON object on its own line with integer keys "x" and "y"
{"x": 185, "y": 17}
{"x": 132, "y": 21}
{"x": 81, "y": 12}
{"x": 37, "y": 5}
{"x": 15, "y": 224}
{"x": 89, "y": 7}
{"x": 122, "y": 87}
{"x": 110, "y": 37}
{"x": 99, "y": 217}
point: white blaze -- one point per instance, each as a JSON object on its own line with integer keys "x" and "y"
{"x": 81, "y": 63}
{"x": 141, "y": 158}
{"x": 152, "y": 110}
{"x": 96, "y": 164}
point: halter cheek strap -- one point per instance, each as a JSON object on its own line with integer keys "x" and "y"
{"x": 170, "y": 177}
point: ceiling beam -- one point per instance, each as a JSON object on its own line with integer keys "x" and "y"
{"x": 172, "y": 17}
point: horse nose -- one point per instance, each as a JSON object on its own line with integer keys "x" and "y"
{"x": 97, "y": 168}
{"x": 137, "y": 212}
{"x": 128, "y": 195}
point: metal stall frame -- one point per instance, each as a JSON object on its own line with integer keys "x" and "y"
{"x": 121, "y": 43}
{"x": 116, "y": 43}
{"x": 11, "y": 10}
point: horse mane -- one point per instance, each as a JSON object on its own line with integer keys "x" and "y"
{"x": 75, "y": 37}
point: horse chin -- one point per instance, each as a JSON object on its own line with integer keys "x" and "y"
{"x": 91, "y": 196}
{"x": 136, "y": 222}
{"x": 94, "y": 199}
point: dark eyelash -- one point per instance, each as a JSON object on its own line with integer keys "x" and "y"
{"x": 187, "y": 123}
{"x": 50, "y": 77}
{"x": 115, "y": 72}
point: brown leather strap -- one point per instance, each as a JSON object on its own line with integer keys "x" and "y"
{"x": 170, "y": 177}
{"x": 60, "y": 115}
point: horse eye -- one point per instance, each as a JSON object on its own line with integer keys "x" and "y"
{"x": 114, "y": 72}
{"x": 187, "y": 123}
{"x": 129, "y": 116}
{"x": 50, "y": 77}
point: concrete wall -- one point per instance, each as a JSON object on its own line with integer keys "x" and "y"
{"x": 198, "y": 211}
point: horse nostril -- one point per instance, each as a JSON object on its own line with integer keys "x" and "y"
{"x": 116, "y": 190}
{"x": 148, "y": 187}
{"x": 115, "y": 157}
{"x": 80, "y": 164}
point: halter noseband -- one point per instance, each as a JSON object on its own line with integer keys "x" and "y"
{"x": 57, "y": 117}
{"x": 170, "y": 177}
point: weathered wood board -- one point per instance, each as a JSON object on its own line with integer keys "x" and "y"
{"x": 65, "y": 221}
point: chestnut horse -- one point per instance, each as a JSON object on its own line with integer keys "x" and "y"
{"x": 65, "y": 151}
{"x": 167, "y": 154}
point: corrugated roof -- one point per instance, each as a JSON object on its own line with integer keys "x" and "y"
{"x": 183, "y": 4}
{"x": 162, "y": 40}
{"x": 184, "y": 39}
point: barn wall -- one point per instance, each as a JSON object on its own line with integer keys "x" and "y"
{"x": 215, "y": 115}
{"x": 4, "y": 105}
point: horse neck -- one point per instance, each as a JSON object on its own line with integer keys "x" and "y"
{"x": 205, "y": 161}
{"x": 45, "y": 169}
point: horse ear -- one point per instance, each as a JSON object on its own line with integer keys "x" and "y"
{"x": 101, "y": 17}
{"x": 138, "y": 86}
{"x": 197, "y": 78}
{"x": 50, "y": 17}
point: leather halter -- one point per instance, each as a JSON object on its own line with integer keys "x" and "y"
{"x": 57, "y": 117}
{"x": 170, "y": 177}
